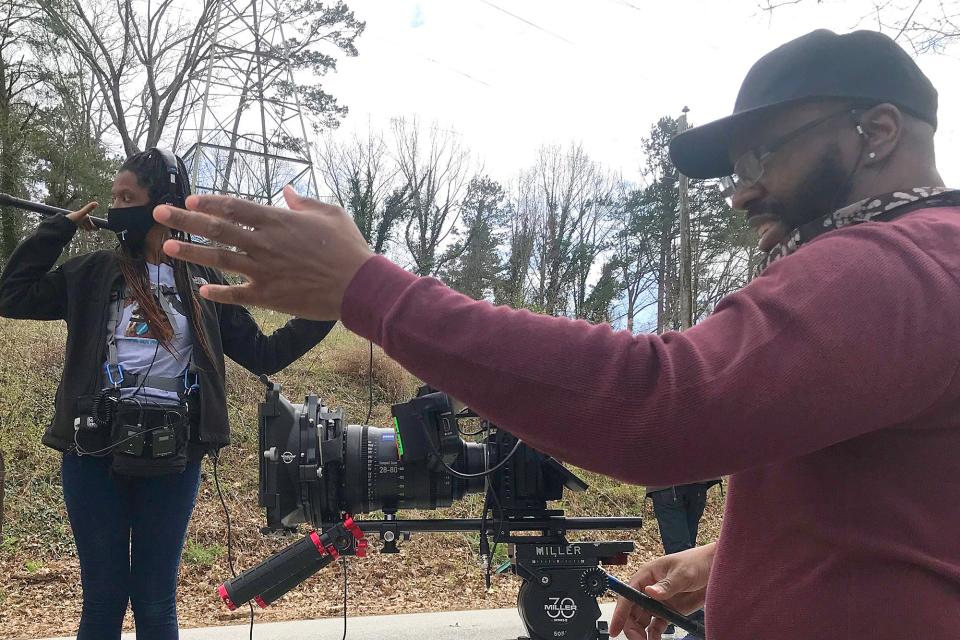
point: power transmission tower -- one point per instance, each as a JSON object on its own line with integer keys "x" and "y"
{"x": 248, "y": 138}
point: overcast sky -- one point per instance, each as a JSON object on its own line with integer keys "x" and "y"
{"x": 598, "y": 72}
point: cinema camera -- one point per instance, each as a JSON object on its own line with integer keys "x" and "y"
{"x": 317, "y": 469}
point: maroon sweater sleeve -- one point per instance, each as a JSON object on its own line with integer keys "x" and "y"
{"x": 855, "y": 332}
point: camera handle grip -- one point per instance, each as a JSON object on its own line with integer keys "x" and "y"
{"x": 268, "y": 581}
{"x": 277, "y": 574}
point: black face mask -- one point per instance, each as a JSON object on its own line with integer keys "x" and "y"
{"x": 131, "y": 224}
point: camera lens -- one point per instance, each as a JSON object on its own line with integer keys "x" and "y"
{"x": 375, "y": 479}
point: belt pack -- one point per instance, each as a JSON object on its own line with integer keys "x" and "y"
{"x": 144, "y": 439}
{"x": 149, "y": 441}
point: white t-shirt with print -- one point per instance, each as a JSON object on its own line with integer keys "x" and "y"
{"x": 139, "y": 352}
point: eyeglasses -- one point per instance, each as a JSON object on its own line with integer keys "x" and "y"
{"x": 749, "y": 167}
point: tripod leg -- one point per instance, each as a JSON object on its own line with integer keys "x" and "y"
{"x": 603, "y": 631}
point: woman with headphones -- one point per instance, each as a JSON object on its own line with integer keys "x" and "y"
{"x": 142, "y": 398}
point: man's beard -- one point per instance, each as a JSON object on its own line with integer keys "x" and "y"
{"x": 824, "y": 190}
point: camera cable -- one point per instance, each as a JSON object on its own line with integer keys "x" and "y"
{"x": 343, "y": 566}
{"x": 215, "y": 456}
{"x": 487, "y": 494}
{"x": 370, "y": 385}
{"x": 497, "y": 535}
{"x": 482, "y": 474}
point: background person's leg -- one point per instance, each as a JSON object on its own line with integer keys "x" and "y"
{"x": 162, "y": 512}
{"x": 671, "y": 516}
{"x": 695, "y": 501}
{"x": 97, "y": 506}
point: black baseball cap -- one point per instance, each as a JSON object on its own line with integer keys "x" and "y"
{"x": 865, "y": 66}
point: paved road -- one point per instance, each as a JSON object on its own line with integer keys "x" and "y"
{"x": 495, "y": 624}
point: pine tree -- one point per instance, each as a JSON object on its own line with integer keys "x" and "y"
{"x": 477, "y": 268}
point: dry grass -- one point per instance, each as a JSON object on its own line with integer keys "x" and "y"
{"x": 393, "y": 382}
{"x": 38, "y": 565}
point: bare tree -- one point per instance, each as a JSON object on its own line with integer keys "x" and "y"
{"x": 72, "y": 85}
{"x": 563, "y": 179}
{"x": 365, "y": 181}
{"x": 927, "y": 26}
{"x": 522, "y": 213}
{"x": 436, "y": 170}
{"x": 144, "y": 54}
{"x": 635, "y": 252}
{"x": 141, "y": 54}
{"x": 591, "y": 240}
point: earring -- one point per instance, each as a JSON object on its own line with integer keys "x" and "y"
{"x": 872, "y": 155}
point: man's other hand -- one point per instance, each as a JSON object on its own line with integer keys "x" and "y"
{"x": 298, "y": 261}
{"x": 679, "y": 580}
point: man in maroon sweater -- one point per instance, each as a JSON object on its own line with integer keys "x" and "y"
{"x": 827, "y": 388}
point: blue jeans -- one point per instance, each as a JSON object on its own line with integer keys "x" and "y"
{"x": 129, "y": 534}
{"x": 678, "y": 510}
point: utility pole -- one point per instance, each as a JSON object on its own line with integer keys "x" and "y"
{"x": 686, "y": 277}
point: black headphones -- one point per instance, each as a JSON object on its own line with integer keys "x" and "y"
{"x": 179, "y": 184}
{"x": 177, "y": 172}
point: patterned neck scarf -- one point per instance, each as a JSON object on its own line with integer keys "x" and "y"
{"x": 875, "y": 208}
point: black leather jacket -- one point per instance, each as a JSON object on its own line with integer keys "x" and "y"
{"x": 79, "y": 290}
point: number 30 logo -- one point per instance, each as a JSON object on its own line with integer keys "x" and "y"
{"x": 558, "y": 608}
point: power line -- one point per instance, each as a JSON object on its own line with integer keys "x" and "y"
{"x": 457, "y": 71}
{"x": 631, "y": 5}
{"x": 439, "y": 63}
{"x": 527, "y": 22}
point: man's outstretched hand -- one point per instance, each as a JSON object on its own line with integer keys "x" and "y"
{"x": 298, "y": 261}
